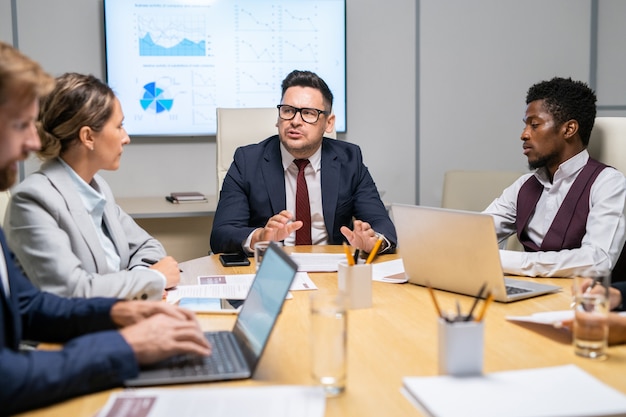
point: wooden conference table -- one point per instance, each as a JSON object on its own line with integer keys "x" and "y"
{"x": 397, "y": 337}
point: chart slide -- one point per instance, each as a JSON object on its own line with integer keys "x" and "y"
{"x": 173, "y": 62}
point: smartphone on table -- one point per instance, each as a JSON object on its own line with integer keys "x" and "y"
{"x": 234, "y": 259}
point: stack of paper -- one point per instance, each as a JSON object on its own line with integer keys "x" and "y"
{"x": 565, "y": 391}
{"x": 232, "y": 287}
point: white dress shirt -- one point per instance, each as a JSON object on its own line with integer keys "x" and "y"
{"x": 313, "y": 175}
{"x": 94, "y": 202}
{"x": 604, "y": 237}
{"x": 4, "y": 274}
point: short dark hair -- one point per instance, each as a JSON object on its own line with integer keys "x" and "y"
{"x": 298, "y": 78}
{"x": 566, "y": 99}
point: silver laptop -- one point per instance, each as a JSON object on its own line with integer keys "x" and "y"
{"x": 235, "y": 353}
{"x": 456, "y": 251}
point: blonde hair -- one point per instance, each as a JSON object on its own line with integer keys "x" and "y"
{"x": 77, "y": 101}
{"x": 22, "y": 80}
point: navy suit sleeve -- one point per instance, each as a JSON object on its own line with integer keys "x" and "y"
{"x": 245, "y": 202}
{"x": 94, "y": 357}
{"x": 357, "y": 195}
{"x": 621, "y": 286}
{"x": 90, "y": 363}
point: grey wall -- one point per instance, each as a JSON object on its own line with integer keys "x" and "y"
{"x": 477, "y": 60}
{"x": 67, "y": 35}
{"x": 449, "y": 75}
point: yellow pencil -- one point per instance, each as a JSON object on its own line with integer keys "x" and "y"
{"x": 374, "y": 251}
{"x": 485, "y": 305}
{"x": 432, "y": 295}
{"x": 349, "y": 256}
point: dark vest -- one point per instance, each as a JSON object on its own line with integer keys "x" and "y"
{"x": 569, "y": 225}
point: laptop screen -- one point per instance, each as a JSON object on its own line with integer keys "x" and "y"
{"x": 265, "y": 299}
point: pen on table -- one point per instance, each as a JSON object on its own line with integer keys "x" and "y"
{"x": 151, "y": 261}
{"x": 485, "y": 305}
{"x": 432, "y": 295}
{"x": 480, "y": 293}
{"x": 349, "y": 257}
{"x": 374, "y": 251}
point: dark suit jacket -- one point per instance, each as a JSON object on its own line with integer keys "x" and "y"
{"x": 621, "y": 286}
{"x": 89, "y": 363}
{"x": 254, "y": 190}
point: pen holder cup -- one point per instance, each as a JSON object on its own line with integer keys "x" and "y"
{"x": 461, "y": 346}
{"x": 356, "y": 282}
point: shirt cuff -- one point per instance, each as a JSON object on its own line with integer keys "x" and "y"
{"x": 385, "y": 245}
{"x": 159, "y": 273}
{"x": 246, "y": 244}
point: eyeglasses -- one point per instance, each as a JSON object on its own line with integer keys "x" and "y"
{"x": 308, "y": 115}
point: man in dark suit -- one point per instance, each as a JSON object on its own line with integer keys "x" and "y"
{"x": 105, "y": 339}
{"x": 259, "y": 197}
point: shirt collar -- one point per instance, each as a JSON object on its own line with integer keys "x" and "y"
{"x": 93, "y": 200}
{"x": 315, "y": 160}
{"x": 568, "y": 168}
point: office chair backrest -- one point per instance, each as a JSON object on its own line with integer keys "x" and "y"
{"x": 239, "y": 127}
{"x": 608, "y": 142}
{"x": 475, "y": 190}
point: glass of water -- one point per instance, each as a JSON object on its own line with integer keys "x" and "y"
{"x": 329, "y": 340}
{"x": 591, "y": 314}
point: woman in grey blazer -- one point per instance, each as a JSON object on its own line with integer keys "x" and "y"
{"x": 62, "y": 223}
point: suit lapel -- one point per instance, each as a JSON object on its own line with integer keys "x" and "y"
{"x": 116, "y": 232}
{"x": 331, "y": 168}
{"x": 274, "y": 176}
{"x": 61, "y": 180}
{"x": 10, "y": 305}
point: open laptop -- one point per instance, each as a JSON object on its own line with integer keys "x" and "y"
{"x": 456, "y": 251}
{"x": 235, "y": 353}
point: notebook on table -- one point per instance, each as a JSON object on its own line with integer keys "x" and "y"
{"x": 456, "y": 251}
{"x": 235, "y": 353}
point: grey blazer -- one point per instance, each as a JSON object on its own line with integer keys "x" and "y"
{"x": 55, "y": 241}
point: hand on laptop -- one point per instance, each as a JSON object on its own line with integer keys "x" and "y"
{"x": 125, "y": 313}
{"x": 161, "y": 336}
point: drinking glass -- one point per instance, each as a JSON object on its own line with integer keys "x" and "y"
{"x": 328, "y": 340}
{"x": 591, "y": 314}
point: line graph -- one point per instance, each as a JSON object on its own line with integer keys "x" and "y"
{"x": 175, "y": 61}
{"x": 176, "y": 35}
{"x": 255, "y": 50}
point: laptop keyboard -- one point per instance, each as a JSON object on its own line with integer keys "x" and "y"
{"x": 225, "y": 358}
{"x": 515, "y": 290}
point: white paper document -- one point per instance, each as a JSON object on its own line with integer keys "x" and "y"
{"x": 545, "y": 317}
{"x": 271, "y": 401}
{"x": 560, "y": 391}
{"x": 548, "y": 317}
{"x": 318, "y": 262}
{"x": 389, "y": 271}
{"x": 232, "y": 287}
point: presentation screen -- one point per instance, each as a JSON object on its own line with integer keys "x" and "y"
{"x": 173, "y": 62}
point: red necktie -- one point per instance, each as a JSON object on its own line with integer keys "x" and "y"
{"x": 303, "y": 208}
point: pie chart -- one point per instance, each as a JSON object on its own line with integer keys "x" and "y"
{"x": 155, "y": 99}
